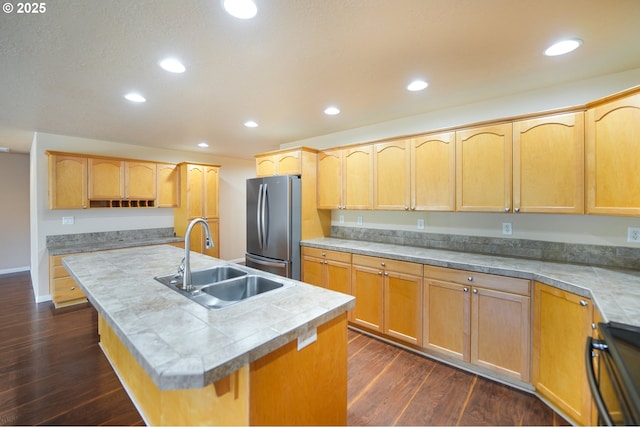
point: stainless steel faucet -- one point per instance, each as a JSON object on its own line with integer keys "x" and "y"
{"x": 186, "y": 264}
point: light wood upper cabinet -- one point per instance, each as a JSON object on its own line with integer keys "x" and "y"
{"x": 561, "y": 325}
{"x": 330, "y": 179}
{"x": 391, "y": 175}
{"x": 433, "y": 172}
{"x": 282, "y": 163}
{"x": 358, "y": 174}
{"x": 345, "y": 178}
{"x": 120, "y": 179}
{"x": 483, "y": 169}
{"x": 67, "y": 182}
{"x": 613, "y": 157}
{"x": 480, "y": 318}
{"x": 548, "y": 164}
{"x": 168, "y": 185}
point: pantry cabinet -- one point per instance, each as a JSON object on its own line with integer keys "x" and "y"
{"x": 479, "y": 318}
{"x": 388, "y": 297}
{"x": 548, "y": 164}
{"x": 561, "y": 324}
{"x": 354, "y": 187}
{"x": 327, "y": 269}
{"x": 433, "y": 172}
{"x": 198, "y": 199}
{"x": 613, "y": 157}
{"x": 483, "y": 168}
{"x": 67, "y": 181}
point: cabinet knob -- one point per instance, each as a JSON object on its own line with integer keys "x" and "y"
{"x": 470, "y": 279}
{"x": 413, "y": 208}
{"x": 73, "y": 288}
{"x": 382, "y": 264}
{"x": 593, "y": 326}
{"x": 84, "y": 206}
{"x": 465, "y": 289}
{"x": 517, "y": 210}
{"x": 406, "y": 208}
{"x": 583, "y": 303}
{"x": 323, "y": 254}
{"x": 507, "y": 209}
{"x": 475, "y": 291}
{"x": 379, "y": 273}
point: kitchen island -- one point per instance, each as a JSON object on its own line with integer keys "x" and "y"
{"x": 276, "y": 358}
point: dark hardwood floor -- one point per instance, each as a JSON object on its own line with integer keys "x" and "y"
{"x": 53, "y": 372}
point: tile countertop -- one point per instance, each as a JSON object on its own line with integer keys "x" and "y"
{"x": 180, "y": 343}
{"x": 616, "y": 293}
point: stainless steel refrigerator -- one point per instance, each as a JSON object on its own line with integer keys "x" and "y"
{"x": 273, "y": 225}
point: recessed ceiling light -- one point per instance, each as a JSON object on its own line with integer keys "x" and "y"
{"x": 242, "y": 9}
{"x": 203, "y": 144}
{"x": 135, "y": 97}
{"x": 172, "y": 65}
{"x": 417, "y": 85}
{"x": 562, "y": 47}
{"x": 332, "y": 111}
{"x": 251, "y": 124}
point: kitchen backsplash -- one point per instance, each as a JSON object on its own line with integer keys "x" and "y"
{"x": 606, "y": 256}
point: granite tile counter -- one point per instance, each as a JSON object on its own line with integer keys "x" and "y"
{"x": 179, "y": 343}
{"x": 64, "y": 244}
{"x": 615, "y": 292}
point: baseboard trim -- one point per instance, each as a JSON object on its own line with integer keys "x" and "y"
{"x": 15, "y": 270}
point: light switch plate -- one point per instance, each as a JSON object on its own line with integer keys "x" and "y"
{"x": 507, "y": 228}
{"x": 421, "y": 224}
{"x": 633, "y": 234}
{"x": 341, "y": 219}
{"x": 68, "y": 220}
{"x": 359, "y": 220}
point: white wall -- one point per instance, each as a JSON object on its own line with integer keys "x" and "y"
{"x": 587, "y": 229}
{"x": 14, "y": 212}
{"x": 45, "y": 222}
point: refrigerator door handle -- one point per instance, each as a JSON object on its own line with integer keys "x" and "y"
{"x": 258, "y": 216}
{"x": 265, "y": 219}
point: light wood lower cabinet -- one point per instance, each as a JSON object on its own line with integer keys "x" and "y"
{"x": 479, "y": 318}
{"x": 388, "y": 297}
{"x": 328, "y": 269}
{"x": 63, "y": 289}
{"x": 561, "y": 325}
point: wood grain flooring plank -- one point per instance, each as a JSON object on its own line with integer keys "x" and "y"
{"x": 371, "y": 360}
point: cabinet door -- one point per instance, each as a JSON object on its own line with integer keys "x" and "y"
{"x": 330, "y": 180}
{"x": 391, "y": 175}
{"x": 67, "y": 182}
{"x": 289, "y": 163}
{"x": 561, "y": 325}
{"x": 214, "y": 227}
{"x": 403, "y": 306}
{"x": 433, "y": 172}
{"x": 367, "y": 288}
{"x": 313, "y": 270}
{"x": 500, "y": 325}
{"x": 140, "y": 180}
{"x": 358, "y": 163}
{"x": 548, "y": 164}
{"x": 483, "y": 169}
{"x": 106, "y": 179}
{"x": 613, "y": 157}
{"x": 210, "y": 194}
{"x": 338, "y": 276}
{"x": 266, "y": 166}
{"x": 446, "y": 320}
{"x": 195, "y": 190}
{"x": 168, "y": 186}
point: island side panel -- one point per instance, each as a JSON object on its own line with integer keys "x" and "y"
{"x": 224, "y": 402}
{"x": 306, "y": 386}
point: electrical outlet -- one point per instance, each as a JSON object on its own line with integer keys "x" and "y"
{"x": 507, "y": 228}
{"x": 341, "y": 219}
{"x": 359, "y": 220}
{"x": 421, "y": 224}
{"x": 633, "y": 234}
{"x": 68, "y": 220}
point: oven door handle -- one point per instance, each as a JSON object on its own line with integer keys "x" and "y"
{"x": 591, "y": 376}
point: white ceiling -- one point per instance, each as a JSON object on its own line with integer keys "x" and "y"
{"x": 65, "y": 71}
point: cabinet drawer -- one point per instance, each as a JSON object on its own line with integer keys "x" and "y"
{"x": 326, "y": 254}
{"x": 388, "y": 264}
{"x": 483, "y": 280}
{"x": 66, "y": 289}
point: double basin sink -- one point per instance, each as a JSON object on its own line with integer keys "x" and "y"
{"x": 221, "y": 286}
